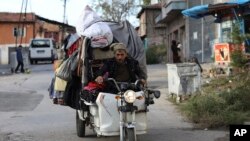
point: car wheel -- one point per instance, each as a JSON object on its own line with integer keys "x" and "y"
{"x": 31, "y": 61}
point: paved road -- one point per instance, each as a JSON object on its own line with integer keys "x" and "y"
{"x": 27, "y": 113}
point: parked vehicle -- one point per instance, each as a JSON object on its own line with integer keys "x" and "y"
{"x": 123, "y": 113}
{"x": 42, "y": 49}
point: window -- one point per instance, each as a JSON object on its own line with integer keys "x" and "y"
{"x": 54, "y": 44}
{"x": 40, "y": 43}
{"x": 226, "y": 29}
{"x": 19, "y": 31}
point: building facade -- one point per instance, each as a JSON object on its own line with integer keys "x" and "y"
{"x": 18, "y": 28}
{"x": 196, "y": 36}
{"x": 152, "y": 33}
{"x": 175, "y": 25}
{"x": 202, "y": 33}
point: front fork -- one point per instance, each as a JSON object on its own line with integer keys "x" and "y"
{"x": 127, "y": 120}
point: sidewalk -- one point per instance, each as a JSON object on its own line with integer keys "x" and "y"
{"x": 207, "y": 66}
{"x": 5, "y": 70}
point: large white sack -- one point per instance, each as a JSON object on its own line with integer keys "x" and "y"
{"x": 99, "y": 29}
{"x": 91, "y": 25}
{"x": 87, "y": 18}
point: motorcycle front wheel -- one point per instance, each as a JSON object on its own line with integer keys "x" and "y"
{"x": 130, "y": 134}
{"x": 80, "y": 126}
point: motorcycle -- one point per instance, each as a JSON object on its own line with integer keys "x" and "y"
{"x": 123, "y": 113}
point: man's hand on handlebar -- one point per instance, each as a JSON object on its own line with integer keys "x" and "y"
{"x": 99, "y": 79}
{"x": 144, "y": 82}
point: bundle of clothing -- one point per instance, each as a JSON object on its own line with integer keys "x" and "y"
{"x": 67, "y": 80}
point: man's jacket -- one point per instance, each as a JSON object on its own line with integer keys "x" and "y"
{"x": 133, "y": 68}
{"x": 19, "y": 55}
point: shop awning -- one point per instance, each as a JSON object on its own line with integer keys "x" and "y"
{"x": 196, "y": 11}
{"x": 210, "y": 9}
{"x": 239, "y": 1}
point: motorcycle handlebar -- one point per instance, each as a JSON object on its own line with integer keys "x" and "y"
{"x": 156, "y": 93}
{"x": 137, "y": 83}
{"x": 112, "y": 79}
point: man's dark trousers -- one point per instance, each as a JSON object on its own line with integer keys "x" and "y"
{"x": 20, "y": 63}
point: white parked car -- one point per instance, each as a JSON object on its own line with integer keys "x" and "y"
{"x": 42, "y": 49}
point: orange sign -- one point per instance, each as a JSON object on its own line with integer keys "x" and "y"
{"x": 222, "y": 52}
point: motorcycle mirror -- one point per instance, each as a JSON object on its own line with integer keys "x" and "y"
{"x": 139, "y": 85}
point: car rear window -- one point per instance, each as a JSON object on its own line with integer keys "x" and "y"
{"x": 40, "y": 43}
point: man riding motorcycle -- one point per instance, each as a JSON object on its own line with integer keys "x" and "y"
{"x": 122, "y": 68}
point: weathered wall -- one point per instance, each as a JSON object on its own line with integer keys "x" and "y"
{"x": 176, "y": 31}
{"x": 154, "y": 31}
{"x": 201, "y": 33}
{"x": 7, "y": 33}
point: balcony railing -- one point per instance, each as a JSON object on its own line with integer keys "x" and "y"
{"x": 171, "y": 8}
{"x": 165, "y": 3}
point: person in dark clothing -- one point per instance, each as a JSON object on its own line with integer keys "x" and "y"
{"x": 19, "y": 58}
{"x": 71, "y": 95}
{"x": 122, "y": 67}
{"x": 175, "y": 50}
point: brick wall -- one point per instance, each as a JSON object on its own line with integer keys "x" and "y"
{"x": 35, "y": 27}
{"x": 7, "y": 33}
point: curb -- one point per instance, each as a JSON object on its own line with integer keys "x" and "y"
{"x": 4, "y": 73}
{"x": 5, "y": 70}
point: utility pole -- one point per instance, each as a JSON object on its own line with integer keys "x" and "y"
{"x": 24, "y": 19}
{"x": 202, "y": 36}
{"x": 18, "y": 26}
{"x": 64, "y": 11}
{"x": 64, "y": 19}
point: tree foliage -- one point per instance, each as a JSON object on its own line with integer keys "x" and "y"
{"x": 236, "y": 35}
{"x": 115, "y": 10}
{"x": 146, "y": 2}
{"x": 156, "y": 54}
{"x": 238, "y": 38}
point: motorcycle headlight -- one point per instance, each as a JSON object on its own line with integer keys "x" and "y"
{"x": 130, "y": 96}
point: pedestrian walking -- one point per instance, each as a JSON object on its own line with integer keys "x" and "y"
{"x": 179, "y": 46}
{"x": 175, "y": 50}
{"x": 19, "y": 57}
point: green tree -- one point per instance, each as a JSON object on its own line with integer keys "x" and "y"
{"x": 236, "y": 35}
{"x": 146, "y": 2}
{"x": 115, "y": 10}
{"x": 156, "y": 54}
{"x": 238, "y": 38}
